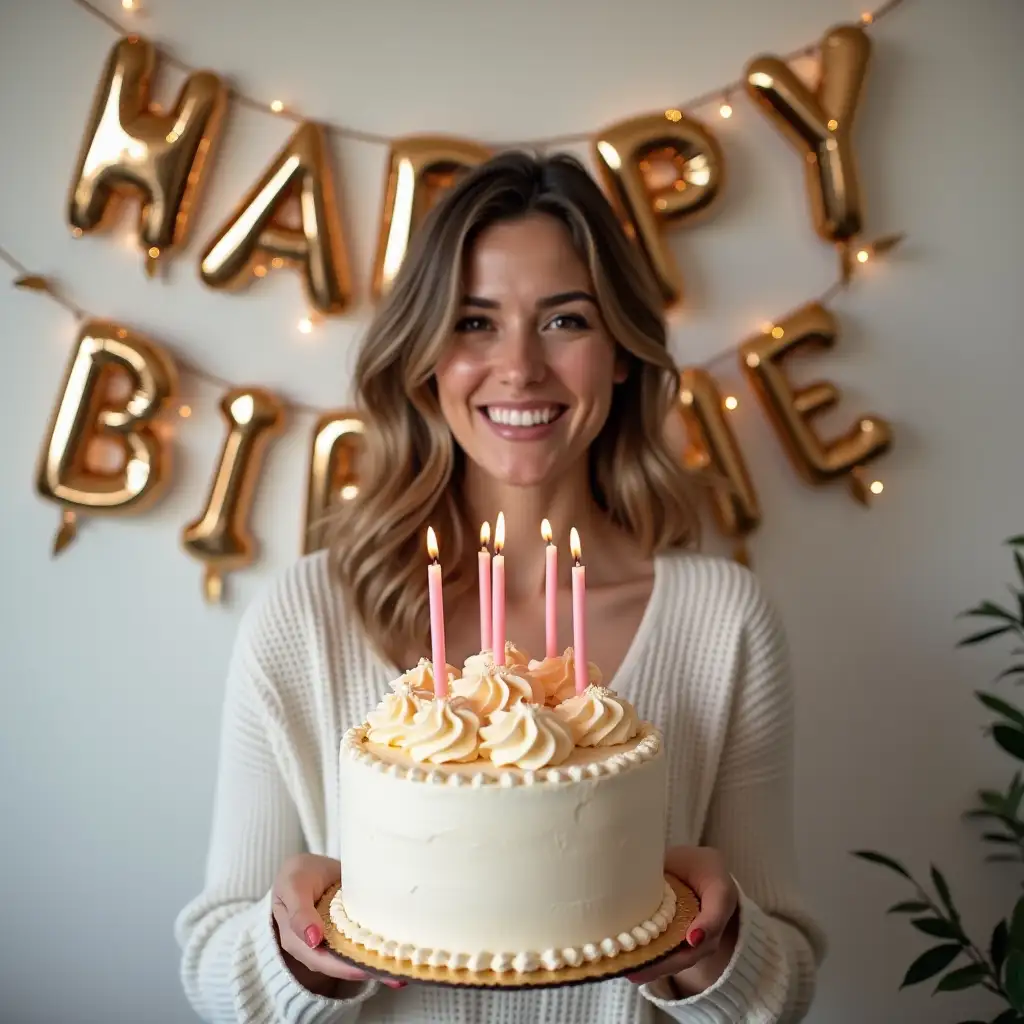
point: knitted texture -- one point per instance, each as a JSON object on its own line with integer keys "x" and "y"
{"x": 708, "y": 665}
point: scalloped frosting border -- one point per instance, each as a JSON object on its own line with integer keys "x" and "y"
{"x": 521, "y": 963}
{"x": 648, "y": 748}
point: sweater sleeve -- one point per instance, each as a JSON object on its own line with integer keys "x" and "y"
{"x": 232, "y": 968}
{"x": 772, "y": 975}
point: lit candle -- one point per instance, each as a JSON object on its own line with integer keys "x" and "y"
{"x": 498, "y": 603}
{"x": 436, "y": 617}
{"x": 484, "y": 564}
{"x": 550, "y": 591}
{"x": 579, "y": 612}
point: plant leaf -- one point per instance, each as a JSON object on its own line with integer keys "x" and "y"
{"x": 1007, "y": 1017}
{"x": 963, "y": 977}
{"x": 909, "y": 907}
{"x": 1011, "y": 739}
{"x": 1014, "y": 983}
{"x": 977, "y": 638}
{"x": 998, "y": 837}
{"x": 937, "y": 927}
{"x": 1000, "y": 707}
{"x": 989, "y": 609}
{"x": 999, "y": 946}
{"x": 930, "y": 963}
{"x": 942, "y": 888}
{"x": 881, "y": 858}
{"x": 1015, "y": 541}
{"x": 1017, "y": 926}
{"x": 1003, "y": 858}
{"x": 1020, "y": 563}
{"x": 1013, "y": 670}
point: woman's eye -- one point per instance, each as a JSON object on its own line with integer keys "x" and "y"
{"x": 472, "y": 324}
{"x": 568, "y": 322}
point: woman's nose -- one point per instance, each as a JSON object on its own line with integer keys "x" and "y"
{"x": 519, "y": 357}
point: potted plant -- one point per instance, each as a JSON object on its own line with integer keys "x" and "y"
{"x": 957, "y": 960}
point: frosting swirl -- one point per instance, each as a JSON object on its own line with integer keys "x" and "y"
{"x": 528, "y": 736}
{"x": 497, "y": 688}
{"x": 390, "y": 722}
{"x": 514, "y": 658}
{"x": 444, "y": 729}
{"x": 420, "y": 680}
{"x": 599, "y": 718}
{"x": 558, "y": 676}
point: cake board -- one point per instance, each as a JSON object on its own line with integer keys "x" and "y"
{"x": 669, "y": 942}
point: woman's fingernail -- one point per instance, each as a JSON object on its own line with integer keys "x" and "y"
{"x": 696, "y": 937}
{"x": 313, "y": 936}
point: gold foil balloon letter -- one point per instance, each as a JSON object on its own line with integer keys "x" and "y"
{"x": 819, "y": 124}
{"x": 419, "y": 170}
{"x": 332, "y": 472}
{"x": 793, "y": 409}
{"x": 89, "y": 413}
{"x": 660, "y": 169}
{"x": 220, "y": 537}
{"x": 712, "y": 448}
{"x": 131, "y": 149}
{"x": 257, "y": 237}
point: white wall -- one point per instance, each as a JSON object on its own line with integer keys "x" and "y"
{"x": 113, "y": 664}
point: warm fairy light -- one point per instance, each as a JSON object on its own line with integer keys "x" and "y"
{"x": 277, "y": 262}
{"x": 766, "y": 327}
{"x": 260, "y": 270}
{"x": 349, "y": 491}
{"x": 867, "y": 17}
{"x": 725, "y": 110}
{"x": 674, "y": 115}
{"x": 431, "y": 543}
{"x": 731, "y": 402}
{"x": 499, "y": 533}
{"x": 129, "y": 5}
{"x": 76, "y": 232}
{"x": 777, "y": 332}
{"x": 305, "y": 325}
{"x": 877, "y": 487}
{"x": 753, "y": 360}
{"x": 545, "y": 531}
{"x": 154, "y": 252}
{"x": 242, "y": 409}
{"x": 184, "y": 411}
{"x": 574, "y": 545}
{"x": 863, "y": 255}
{"x": 833, "y": 124}
{"x": 277, "y": 106}
{"x": 485, "y": 534}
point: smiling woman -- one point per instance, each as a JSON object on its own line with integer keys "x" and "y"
{"x": 523, "y": 338}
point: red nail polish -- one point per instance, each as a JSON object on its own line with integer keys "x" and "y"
{"x": 696, "y": 937}
{"x": 313, "y": 936}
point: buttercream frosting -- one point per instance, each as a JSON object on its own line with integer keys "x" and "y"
{"x": 480, "y": 662}
{"x": 444, "y": 729}
{"x": 421, "y": 678}
{"x": 390, "y": 722}
{"x": 598, "y": 717}
{"x": 489, "y": 687}
{"x": 528, "y": 736}
{"x": 558, "y": 676}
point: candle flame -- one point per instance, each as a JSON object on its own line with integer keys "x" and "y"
{"x": 545, "y": 530}
{"x": 485, "y": 534}
{"x": 499, "y": 533}
{"x": 574, "y": 544}
{"x": 432, "y": 543}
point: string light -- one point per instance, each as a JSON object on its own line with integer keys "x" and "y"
{"x": 867, "y": 17}
{"x": 184, "y": 411}
{"x": 305, "y": 325}
{"x": 731, "y": 402}
{"x": 277, "y": 106}
{"x": 260, "y": 270}
{"x": 674, "y": 115}
{"x": 863, "y": 255}
{"x": 130, "y": 5}
{"x": 725, "y": 109}
{"x": 877, "y": 487}
{"x": 777, "y": 332}
{"x": 154, "y": 252}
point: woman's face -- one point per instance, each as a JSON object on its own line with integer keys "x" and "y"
{"x": 526, "y": 382}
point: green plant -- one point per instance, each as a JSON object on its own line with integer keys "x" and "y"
{"x": 957, "y": 961}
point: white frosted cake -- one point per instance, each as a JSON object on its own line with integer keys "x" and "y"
{"x": 510, "y": 826}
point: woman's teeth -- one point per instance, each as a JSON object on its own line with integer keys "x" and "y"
{"x": 521, "y": 417}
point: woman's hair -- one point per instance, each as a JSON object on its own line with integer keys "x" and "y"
{"x": 410, "y": 467}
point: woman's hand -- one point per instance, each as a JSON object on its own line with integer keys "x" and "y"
{"x": 712, "y": 936}
{"x": 302, "y": 880}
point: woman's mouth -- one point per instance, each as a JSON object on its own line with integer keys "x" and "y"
{"x": 522, "y": 422}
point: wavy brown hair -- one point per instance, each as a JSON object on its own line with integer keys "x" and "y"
{"x": 410, "y": 467}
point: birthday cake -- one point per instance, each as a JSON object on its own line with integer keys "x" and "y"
{"x": 508, "y": 820}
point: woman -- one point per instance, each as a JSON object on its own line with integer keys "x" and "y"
{"x": 519, "y": 363}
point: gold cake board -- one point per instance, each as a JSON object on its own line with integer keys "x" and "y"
{"x": 687, "y": 908}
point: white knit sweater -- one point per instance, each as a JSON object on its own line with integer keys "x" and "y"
{"x": 708, "y": 665}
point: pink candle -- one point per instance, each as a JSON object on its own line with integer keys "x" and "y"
{"x": 436, "y": 617}
{"x": 484, "y": 564}
{"x": 498, "y": 605}
{"x": 579, "y": 613}
{"x": 550, "y": 592}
